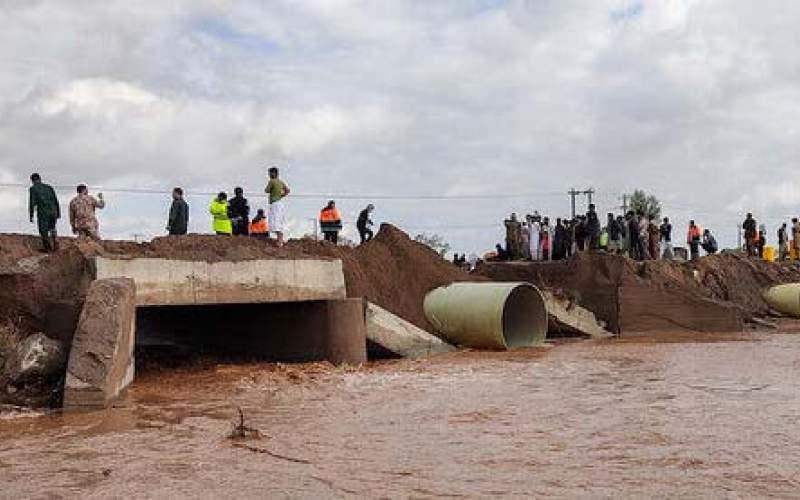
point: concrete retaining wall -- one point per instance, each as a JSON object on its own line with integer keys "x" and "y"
{"x": 177, "y": 282}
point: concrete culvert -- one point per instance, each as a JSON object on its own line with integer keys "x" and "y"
{"x": 488, "y": 315}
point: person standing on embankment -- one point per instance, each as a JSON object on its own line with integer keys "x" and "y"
{"x": 593, "y": 228}
{"x": 364, "y": 224}
{"x": 42, "y": 199}
{"x": 783, "y": 243}
{"x": 221, "y": 221}
{"x": 178, "y": 221}
{"x": 693, "y": 236}
{"x": 82, "y": 216}
{"x": 750, "y": 235}
{"x": 665, "y": 232}
{"x": 330, "y": 220}
{"x": 277, "y": 190}
{"x": 239, "y": 212}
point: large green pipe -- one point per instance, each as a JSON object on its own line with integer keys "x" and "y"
{"x": 488, "y": 315}
{"x": 785, "y": 298}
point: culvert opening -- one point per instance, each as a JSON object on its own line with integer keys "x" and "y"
{"x": 524, "y": 317}
{"x": 178, "y": 336}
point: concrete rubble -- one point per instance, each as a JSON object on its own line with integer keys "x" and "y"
{"x": 568, "y": 317}
{"x": 400, "y": 337}
{"x": 101, "y": 363}
{"x": 36, "y": 357}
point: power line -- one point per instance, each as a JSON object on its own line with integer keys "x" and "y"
{"x": 339, "y": 196}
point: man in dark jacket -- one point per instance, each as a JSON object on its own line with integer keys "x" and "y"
{"x": 560, "y": 241}
{"x": 750, "y": 234}
{"x": 592, "y": 228}
{"x": 634, "y": 236}
{"x": 239, "y": 212}
{"x": 760, "y": 244}
{"x": 364, "y": 224}
{"x": 614, "y": 234}
{"x": 580, "y": 233}
{"x": 42, "y": 199}
{"x": 178, "y": 222}
{"x": 709, "y": 243}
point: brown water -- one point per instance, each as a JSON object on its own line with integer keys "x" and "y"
{"x": 715, "y": 418}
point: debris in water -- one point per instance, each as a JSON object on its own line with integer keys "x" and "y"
{"x": 241, "y": 431}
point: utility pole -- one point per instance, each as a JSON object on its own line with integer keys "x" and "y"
{"x": 589, "y": 192}
{"x": 624, "y": 206}
{"x": 572, "y": 194}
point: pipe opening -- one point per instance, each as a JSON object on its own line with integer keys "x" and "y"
{"x": 177, "y": 336}
{"x": 524, "y": 317}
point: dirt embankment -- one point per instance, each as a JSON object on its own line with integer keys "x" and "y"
{"x": 45, "y": 293}
{"x": 42, "y": 291}
{"x": 715, "y": 293}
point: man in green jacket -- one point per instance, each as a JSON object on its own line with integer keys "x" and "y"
{"x": 178, "y": 222}
{"x": 43, "y": 200}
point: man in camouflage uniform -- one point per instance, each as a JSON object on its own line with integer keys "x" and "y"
{"x": 81, "y": 213}
{"x": 43, "y": 201}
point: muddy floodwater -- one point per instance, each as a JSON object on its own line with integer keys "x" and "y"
{"x": 714, "y": 416}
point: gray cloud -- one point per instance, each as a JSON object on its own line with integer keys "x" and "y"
{"x": 696, "y": 101}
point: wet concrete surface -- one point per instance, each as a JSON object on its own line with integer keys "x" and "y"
{"x": 711, "y": 416}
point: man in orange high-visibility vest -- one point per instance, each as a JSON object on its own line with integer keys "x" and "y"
{"x": 330, "y": 221}
{"x": 259, "y": 226}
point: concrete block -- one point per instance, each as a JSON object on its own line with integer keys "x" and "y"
{"x": 565, "y": 315}
{"x": 101, "y": 362}
{"x": 176, "y": 282}
{"x": 346, "y": 339}
{"x": 400, "y": 337}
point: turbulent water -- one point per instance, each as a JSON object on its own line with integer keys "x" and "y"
{"x": 718, "y": 417}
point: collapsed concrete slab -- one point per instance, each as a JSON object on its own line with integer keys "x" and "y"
{"x": 399, "y": 337}
{"x": 101, "y": 362}
{"x": 181, "y": 282}
{"x": 568, "y": 317}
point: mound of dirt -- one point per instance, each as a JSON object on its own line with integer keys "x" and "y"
{"x": 736, "y": 278}
{"x": 715, "y": 293}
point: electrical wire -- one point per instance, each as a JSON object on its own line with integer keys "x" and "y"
{"x": 338, "y": 196}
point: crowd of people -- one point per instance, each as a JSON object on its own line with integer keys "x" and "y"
{"x": 755, "y": 239}
{"x": 229, "y": 217}
{"x": 634, "y": 234}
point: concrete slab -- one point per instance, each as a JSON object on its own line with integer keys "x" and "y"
{"x": 401, "y": 337}
{"x": 178, "y": 282}
{"x": 567, "y": 315}
{"x": 101, "y": 361}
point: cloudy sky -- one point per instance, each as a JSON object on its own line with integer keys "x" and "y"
{"x": 447, "y": 114}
